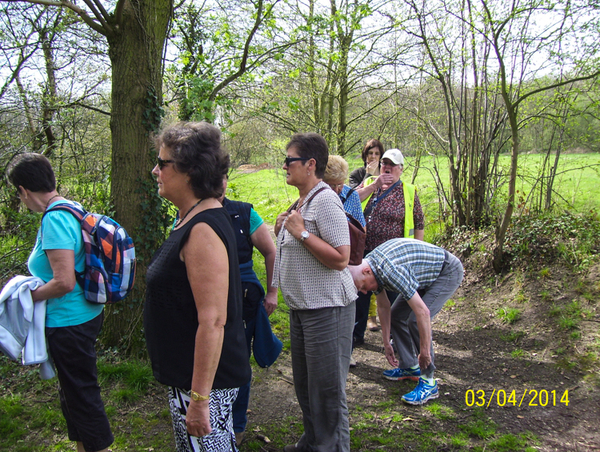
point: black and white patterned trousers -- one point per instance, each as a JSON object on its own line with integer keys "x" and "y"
{"x": 221, "y": 438}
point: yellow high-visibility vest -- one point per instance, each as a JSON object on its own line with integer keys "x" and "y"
{"x": 409, "y": 204}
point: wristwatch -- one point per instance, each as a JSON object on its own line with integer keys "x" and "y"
{"x": 197, "y": 397}
{"x": 304, "y": 235}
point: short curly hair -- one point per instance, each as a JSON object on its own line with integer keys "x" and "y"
{"x": 33, "y": 172}
{"x": 196, "y": 149}
{"x": 337, "y": 169}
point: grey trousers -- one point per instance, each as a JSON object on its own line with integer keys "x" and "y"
{"x": 404, "y": 323}
{"x": 321, "y": 345}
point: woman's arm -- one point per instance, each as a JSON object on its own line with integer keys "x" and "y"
{"x": 384, "y": 179}
{"x": 63, "y": 279}
{"x": 207, "y": 266}
{"x": 365, "y": 192}
{"x": 261, "y": 239}
{"x": 354, "y": 208}
{"x": 334, "y": 258}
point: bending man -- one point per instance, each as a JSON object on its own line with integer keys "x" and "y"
{"x": 425, "y": 277}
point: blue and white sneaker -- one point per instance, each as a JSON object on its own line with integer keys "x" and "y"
{"x": 402, "y": 374}
{"x": 422, "y": 393}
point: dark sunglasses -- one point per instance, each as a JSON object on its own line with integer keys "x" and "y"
{"x": 161, "y": 163}
{"x": 289, "y": 160}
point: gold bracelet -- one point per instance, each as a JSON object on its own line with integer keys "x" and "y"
{"x": 198, "y": 397}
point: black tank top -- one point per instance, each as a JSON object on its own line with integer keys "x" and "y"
{"x": 170, "y": 315}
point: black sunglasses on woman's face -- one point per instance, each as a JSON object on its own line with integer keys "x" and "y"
{"x": 289, "y": 160}
{"x": 161, "y": 163}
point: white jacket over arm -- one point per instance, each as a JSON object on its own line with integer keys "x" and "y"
{"x": 22, "y": 324}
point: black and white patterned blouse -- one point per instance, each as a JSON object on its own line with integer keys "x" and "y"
{"x": 304, "y": 281}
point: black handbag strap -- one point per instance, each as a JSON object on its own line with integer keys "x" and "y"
{"x": 295, "y": 205}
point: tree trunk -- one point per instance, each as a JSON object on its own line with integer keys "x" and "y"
{"x": 498, "y": 260}
{"x": 136, "y": 51}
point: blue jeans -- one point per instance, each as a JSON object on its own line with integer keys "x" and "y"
{"x": 362, "y": 315}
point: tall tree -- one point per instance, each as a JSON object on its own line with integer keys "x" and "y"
{"x": 334, "y": 77}
{"x": 486, "y": 57}
{"x": 519, "y": 19}
{"x": 135, "y": 31}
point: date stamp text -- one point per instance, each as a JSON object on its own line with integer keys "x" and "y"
{"x": 527, "y": 397}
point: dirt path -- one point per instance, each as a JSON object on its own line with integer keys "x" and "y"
{"x": 472, "y": 353}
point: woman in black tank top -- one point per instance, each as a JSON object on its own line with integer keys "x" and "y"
{"x": 193, "y": 310}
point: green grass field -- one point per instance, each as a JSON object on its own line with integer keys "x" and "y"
{"x": 576, "y": 185}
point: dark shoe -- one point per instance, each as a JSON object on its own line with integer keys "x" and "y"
{"x": 239, "y": 438}
{"x": 358, "y": 341}
{"x": 291, "y": 448}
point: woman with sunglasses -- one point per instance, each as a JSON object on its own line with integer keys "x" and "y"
{"x": 371, "y": 154}
{"x": 193, "y": 311}
{"x": 72, "y": 322}
{"x": 313, "y": 249}
{"x": 393, "y": 211}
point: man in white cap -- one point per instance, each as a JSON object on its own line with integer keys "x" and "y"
{"x": 424, "y": 276}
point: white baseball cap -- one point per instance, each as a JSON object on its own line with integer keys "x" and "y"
{"x": 394, "y": 155}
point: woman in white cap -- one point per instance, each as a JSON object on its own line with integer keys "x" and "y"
{"x": 385, "y": 213}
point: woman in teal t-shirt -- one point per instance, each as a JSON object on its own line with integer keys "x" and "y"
{"x": 72, "y": 323}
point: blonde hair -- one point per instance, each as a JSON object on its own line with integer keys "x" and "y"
{"x": 337, "y": 169}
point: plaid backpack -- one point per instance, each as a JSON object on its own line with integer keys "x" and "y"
{"x": 109, "y": 256}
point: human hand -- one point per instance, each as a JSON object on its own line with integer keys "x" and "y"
{"x": 372, "y": 167}
{"x": 390, "y": 355}
{"x": 295, "y": 224}
{"x": 270, "y": 302}
{"x": 384, "y": 180}
{"x": 279, "y": 222}
{"x": 424, "y": 360}
{"x": 197, "y": 418}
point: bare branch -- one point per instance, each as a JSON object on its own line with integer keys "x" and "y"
{"x": 73, "y": 7}
{"x": 89, "y": 107}
{"x": 99, "y": 15}
{"x": 242, "y": 66}
{"x": 556, "y": 85}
